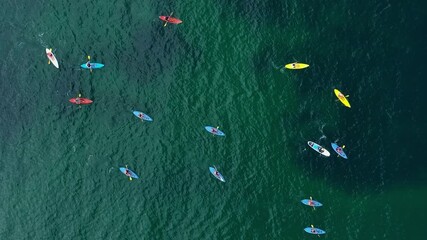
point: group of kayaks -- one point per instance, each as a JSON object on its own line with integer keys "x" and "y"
{"x": 339, "y": 150}
{"x": 297, "y": 66}
{"x": 89, "y": 65}
{"x": 313, "y": 203}
{"x": 316, "y": 147}
{"x": 214, "y": 130}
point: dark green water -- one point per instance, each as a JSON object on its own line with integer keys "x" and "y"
{"x": 59, "y": 163}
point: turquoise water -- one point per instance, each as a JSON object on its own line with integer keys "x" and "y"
{"x": 59, "y": 168}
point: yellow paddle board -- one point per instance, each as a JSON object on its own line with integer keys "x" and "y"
{"x": 296, "y": 65}
{"x": 342, "y": 98}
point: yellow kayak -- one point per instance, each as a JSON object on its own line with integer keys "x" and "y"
{"x": 342, "y": 98}
{"x": 296, "y": 65}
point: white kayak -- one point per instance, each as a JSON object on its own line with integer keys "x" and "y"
{"x": 52, "y": 58}
{"x": 316, "y": 147}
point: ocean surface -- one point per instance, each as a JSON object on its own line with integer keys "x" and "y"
{"x": 223, "y": 66}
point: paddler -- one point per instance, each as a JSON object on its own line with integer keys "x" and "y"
{"x": 140, "y": 115}
{"x": 127, "y": 172}
{"x": 215, "y": 130}
{"x": 88, "y": 65}
{"x": 77, "y": 100}
{"x": 313, "y": 230}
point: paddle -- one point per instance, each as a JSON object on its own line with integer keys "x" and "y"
{"x": 311, "y": 199}
{"x": 90, "y": 66}
{"x": 130, "y": 178}
{"x": 166, "y": 20}
{"x": 312, "y": 227}
{"x": 48, "y": 61}
{"x": 79, "y": 96}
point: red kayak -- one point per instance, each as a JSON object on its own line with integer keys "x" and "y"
{"x": 170, "y": 19}
{"x": 79, "y": 101}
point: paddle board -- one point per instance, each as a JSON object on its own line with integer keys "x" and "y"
{"x": 219, "y": 176}
{"x": 142, "y": 116}
{"x": 316, "y": 147}
{"x": 339, "y": 150}
{"x": 214, "y": 131}
{"x": 79, "y": 101}
{"x": 170, "y": 20}
{"x": 296, "y": 65}
{"x": 342, "y": 98}
{"x": 130, "y": 172}
{"x": 315, "y": 231}
{"x": 92, "y": 65}
{"x": 313, "y": 203}
{"x": 52, "y": 58}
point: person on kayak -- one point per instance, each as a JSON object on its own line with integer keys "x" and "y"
{"x": 50, "y": 55}
{"x": 167, "y": 18}
{"x": 214, "y": 130}
{"x": 217, "y": 173}
{"x": 127, "y": 172}
{"x": 141, "y": 115}
{"x": 77, "y": 100}
{"x": 310, "y": 202}
{"x": 293, "y": 65}
{"x": 313, "y": 230}
{"x": 88, "y": 64}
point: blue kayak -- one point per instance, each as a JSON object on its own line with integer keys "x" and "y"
{"x": 142, "y": 116}
{"x": 313, "y": 230}
{"x": 92, "y": 65}
{"x": 215, "y": 131}
{"x": 130, "y": 172}
{"x": 216, "y": 174}
{"x": 313, "y": 203}
{"x": 338, "y": 150}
